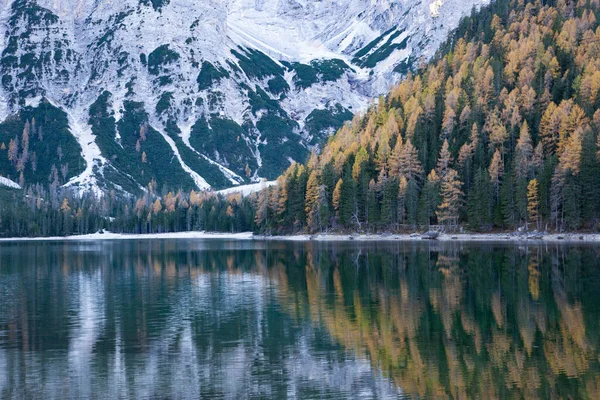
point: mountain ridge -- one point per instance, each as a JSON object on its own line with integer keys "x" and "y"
{"x": 214, "y": 83}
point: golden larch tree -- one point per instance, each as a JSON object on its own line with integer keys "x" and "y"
{"x": 533, "y": 202}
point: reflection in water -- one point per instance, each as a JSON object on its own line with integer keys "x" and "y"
{"x": 217, "y": 319}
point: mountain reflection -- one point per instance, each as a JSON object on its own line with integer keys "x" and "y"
{"x": 193, "y": 319}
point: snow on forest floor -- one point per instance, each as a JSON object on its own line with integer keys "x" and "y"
{"x": 124, "y": 236}
{"x": 462, "y": 237}
{"x": 246, "y": 190}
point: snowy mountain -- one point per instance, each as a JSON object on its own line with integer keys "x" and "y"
{"x": 195, "y": 94}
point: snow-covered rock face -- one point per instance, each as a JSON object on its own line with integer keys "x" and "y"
{"x": 232, "y": 89}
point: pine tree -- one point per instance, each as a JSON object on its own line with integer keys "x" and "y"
{"x": 347, "y": 211}
{"x": 444, "y": 160}
{"x": 590, "y": 184}
{"x": 524, "y": 153}
{"x": 479, "y": 203}
{"x": 360, "y": 163}
{"x": 324, "y": 210}
{"x": 430, "y": 198}
{"x": 372, "y": 204}
{"x": 389, "y": 203}
{"x": 328, "y": 178}
{"x": 411, "y": 202}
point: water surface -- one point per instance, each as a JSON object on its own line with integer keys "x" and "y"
{"x": 170, "y": 319}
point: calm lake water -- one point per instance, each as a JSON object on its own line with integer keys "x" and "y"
{"x": 189, "y": 319}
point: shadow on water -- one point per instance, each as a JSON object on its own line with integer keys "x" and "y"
{"x": 243, "y": 319}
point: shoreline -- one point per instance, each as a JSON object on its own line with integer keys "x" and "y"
{"x": 459, "y": 237}
{"x": 333, "y": 237}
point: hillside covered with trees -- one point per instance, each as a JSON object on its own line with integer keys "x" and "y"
{"x": 499, "y": 131}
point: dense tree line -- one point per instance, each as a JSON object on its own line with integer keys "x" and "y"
{"x": 56, "y": 211}
{"x": 499, "y": 131}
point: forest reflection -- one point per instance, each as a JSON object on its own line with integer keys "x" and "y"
{"x": 236, "y": 319}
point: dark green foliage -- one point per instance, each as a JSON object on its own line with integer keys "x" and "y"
{"x": 210, "y": 172}
{"x": 36, "y": 211}
{"x": 223, "y": 141}
{"x": 508, "y": 204}
{"x": 365, "y": 50}
{"x": 373, "y": 208}
{"x": 371, "y": 55}
{"x": 104, "y": 127}
{"x": 30, "y": 10}
{"x": 590, "y": 181}
{"x": 257, "y": 64}
{"x": 305, "y": 76}
{"x": 572, "y": 203}
{"x": 320, "y": 123}
{"x": 329, "y": 70}
{"x": 412, "y": 202}
{"x": 51, "y": 144}
{"x": 156, "y": 4}
{"x": 318, "y": 71}
{"x": 429, "y": 201}
{"x": 405, "y": 66}
{"x": 164, "y": 103}
{"x": 278, "y": 86}
{"x": 260, "y": 100}
{"x": 479, "y": 204}
{"x": 347, "y": 207}
{"x": 160, "y": 58}
{"x": 281, "y": 142}
{"x": 53, "y": 211}
{"x": 328, "y": 179}
{"x": 384, "y": 52}
{"x": 209, "y": 75}
{"x": 389, "y": 202}
{"x": 126, "y": 156}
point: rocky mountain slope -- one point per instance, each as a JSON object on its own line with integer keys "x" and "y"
{"x": 181, "y": 93}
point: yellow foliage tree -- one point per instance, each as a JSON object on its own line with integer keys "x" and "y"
{"x": 533, "y": 202}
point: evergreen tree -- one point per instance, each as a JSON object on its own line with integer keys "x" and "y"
{"x": 389, "y": 203}
{"x": 524, "y": 153}
{"x": 411, "y": 202}
{"x": 372, "y": 205}
{"x": 479, "y": 204}
{"x": 430, "y": 198}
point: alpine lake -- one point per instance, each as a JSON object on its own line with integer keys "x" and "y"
{"x": 243, "y": 319}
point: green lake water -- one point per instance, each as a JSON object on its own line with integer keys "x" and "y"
{"x": 190, "y": 319}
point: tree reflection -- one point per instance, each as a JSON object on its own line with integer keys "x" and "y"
{"x": 462, "y": 321}
{"x": 236, "y": 319}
